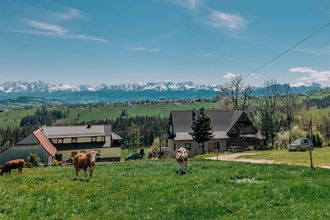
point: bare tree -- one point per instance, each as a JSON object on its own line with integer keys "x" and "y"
{"x": 268, "y": 109}
{"x": 289, "y": 101}
{"x": 238, "y": 93}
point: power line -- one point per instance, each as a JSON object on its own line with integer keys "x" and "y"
{"x": 289, "y": 49}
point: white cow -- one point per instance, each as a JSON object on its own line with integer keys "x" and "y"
{"x": 182, "y": 158}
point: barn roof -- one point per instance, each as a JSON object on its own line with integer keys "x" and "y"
{"x": 77, "y": 131}
{"x": 44, "y": 142}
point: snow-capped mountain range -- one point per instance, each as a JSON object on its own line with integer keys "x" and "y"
{"x": 41, "y": 87}
{"x": 29, "y": 92}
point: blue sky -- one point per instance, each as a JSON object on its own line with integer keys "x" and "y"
{"x": 204, "y": 41}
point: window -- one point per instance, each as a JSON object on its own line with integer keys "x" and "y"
{"x": 94, "y": 139}
{"x": 74, "y": 140}
{"x": 305, "y": 141}
{"x": 73, "y": 154}
{"x": 217, "y": 145}
{"x": 187, "y": 146}
{"x": 58, "y": 157}
{"x": 174, "y": 146}
{"x": 60, "y": 140}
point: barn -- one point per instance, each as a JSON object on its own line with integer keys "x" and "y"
{"x": 64, "y": 142}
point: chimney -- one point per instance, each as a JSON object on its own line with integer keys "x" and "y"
{"x": 89, "y": 126}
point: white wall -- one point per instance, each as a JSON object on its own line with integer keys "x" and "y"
{"x": 195, "y": 148}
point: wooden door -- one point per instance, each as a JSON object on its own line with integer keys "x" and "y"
{"x": 211, "y": 147}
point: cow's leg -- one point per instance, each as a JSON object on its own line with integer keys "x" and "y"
{"x": 91, "y": 172}
{"x": 77, "y": 172}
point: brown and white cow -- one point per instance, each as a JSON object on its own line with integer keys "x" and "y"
{"x": 85, "y": 162}
{"x": 11, "y": 165}
{"x": 182, "y": 157}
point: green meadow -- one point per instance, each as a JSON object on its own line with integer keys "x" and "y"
{"x": 85, "y": 114}
{"x": 151, "y": 189}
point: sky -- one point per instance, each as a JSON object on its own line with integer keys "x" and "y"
{"x": 203, "y": 41}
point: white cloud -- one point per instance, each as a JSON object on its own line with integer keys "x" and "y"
{"x": 67, "y": 14}
{"x": 302, "y": 69}
{"x": 314, "y": 76}
{"x": 230, "y": 75}
{"x": 49, "y": 29}
{"x": 143, "y": 49}
{"x": 189, "y": 4}
{"x": 222, "y": 20}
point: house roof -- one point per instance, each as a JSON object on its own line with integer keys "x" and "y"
{"x": 115, "y": 136}
{"x": 221, "y": 120}
{"x": 44, "y": 142}
{"x": 29, "y": 140}
{"x": 77, "y": 131}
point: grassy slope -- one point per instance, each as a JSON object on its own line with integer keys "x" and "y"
{"x": 151, "y": 189}
{"x": 13, "y": 118}
{"x": 321, "y": 156}
{"x": 111, "y": 112}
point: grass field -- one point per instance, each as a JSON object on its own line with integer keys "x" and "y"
{"x": 13, "y": 118}
{"x": 151, "y": 189}
{"x": 321, "y": 156}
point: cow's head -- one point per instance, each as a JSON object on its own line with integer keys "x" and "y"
{"x": 182, "y": 151}
{"x": 92, "y": 156}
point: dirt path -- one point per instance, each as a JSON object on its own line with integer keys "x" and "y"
{"x": 235, "y": 157}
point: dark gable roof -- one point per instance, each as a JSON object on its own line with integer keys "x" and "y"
{"x": 29, "y": 140}
{"x": 222, "y": 120}
{"x": 77, "y": 131}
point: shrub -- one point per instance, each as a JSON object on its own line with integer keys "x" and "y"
{"x": 34, "y": 160}
{"x": 57, "y": 163}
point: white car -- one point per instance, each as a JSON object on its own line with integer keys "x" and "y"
{"x": 301, "y": 145}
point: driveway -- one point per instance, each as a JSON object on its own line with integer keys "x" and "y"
{"x": 235, "y": 157}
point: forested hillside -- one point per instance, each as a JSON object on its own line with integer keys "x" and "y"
{"x": 148, "y": 119}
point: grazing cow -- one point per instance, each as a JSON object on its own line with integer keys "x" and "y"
{"x": 13, "y": 164}
{"x": 182, "y": 157}
{"x": 85, "y": 162}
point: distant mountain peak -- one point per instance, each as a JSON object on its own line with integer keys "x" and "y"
{"x": 163, "y": 86}
{"x": 38, "y": 86}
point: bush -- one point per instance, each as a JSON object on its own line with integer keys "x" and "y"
{"x": 57, "y": 163}
{"x": 155, "y": 147}
{"x": 282, "y": 137}
{"x": 34, "y": 160}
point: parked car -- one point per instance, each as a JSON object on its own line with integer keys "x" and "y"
{"x": 134, "y": 156}
{"x": 301, "y": 145}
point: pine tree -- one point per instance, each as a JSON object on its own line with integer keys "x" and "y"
{"x": 202, "y": 128}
